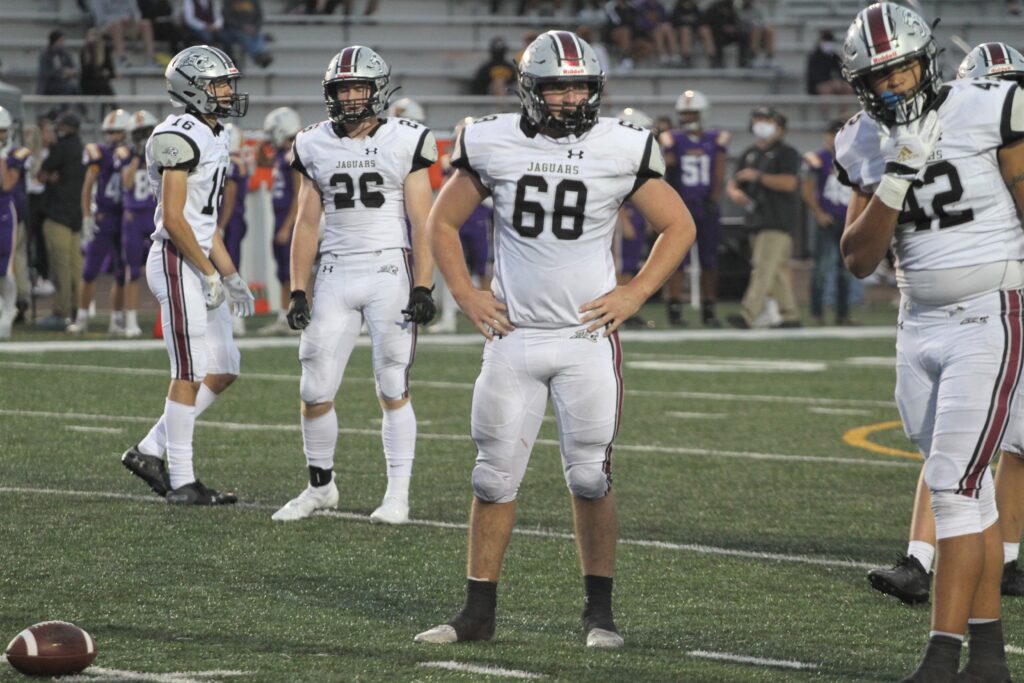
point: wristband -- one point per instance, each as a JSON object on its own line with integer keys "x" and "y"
{"x": 891, "y": 191}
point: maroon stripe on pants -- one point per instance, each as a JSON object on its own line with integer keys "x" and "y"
{"x": 179, "y": 316}
{"x": 619, "y": 391}
{"x": 1002, "y": 395}
{"x": 879, "y": 34}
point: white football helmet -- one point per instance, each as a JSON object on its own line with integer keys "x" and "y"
{"x": 117, "y": 121}
{"x": 993, "y": 60}
{"x": 191, "y": 74}
{"x": 560, "y": 57}
{"x": 140, "y": 127}
{"x": 234, "y": 138}
{"x": 6, "y": 120}
{"x": 407, "y": 108}
{"x": 883, "y": 37}
{"x": 357, "y": 64}
{"x": 688, "y": 103}
{"x": 281, "y": 124}
{"x": 636, "y": 117}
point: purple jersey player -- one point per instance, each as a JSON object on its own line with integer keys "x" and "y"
{"x": 696, "y": 159}
{"x": 12, "y": 169}
{"x": 634, "y": 237}
{"x": 232, "y": 212}
{"x": 281, "y": 126}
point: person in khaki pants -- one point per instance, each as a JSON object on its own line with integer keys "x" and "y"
{"x": 63, "y": 173}
{"x": 766, "y": 186}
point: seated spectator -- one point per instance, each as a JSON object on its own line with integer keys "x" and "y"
{"x": 727, "y": 29}
{"x": 328, "y": 7}
{"x": 243, "y": 25}
{"x": 494, "y": 76}
{"x": 112, "y": 17}
{"x": 620, "y": 18}
{"x": 166, "y": 28}
{"x": 824, "y": 70}
{"x": 652, "y": 25}
{"x": 762, "y": 34}
{"x": 97, "y": 60}
{"x": 204, "y": 21}
{"x": 57, "y": 73}
{"x": 689, "y": 21}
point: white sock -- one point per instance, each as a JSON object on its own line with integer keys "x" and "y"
{"x": 924, "y": 552}
{"x": 117, "y": 318}
{"x": 82, "y": 316}
{"x": 181, "y": 422}
{"x": 1010, "y": 552}
{"x": 319, "y": 437}
{"x": 282, "y": 316}
{"x": 958, "y": 636}
{"x": 131, "y": 319}
{"x": 8, "y": 297}
{"x": 155, "y": 442}
{"x": 980, "y": 621}
{"x": 398, "y": 431}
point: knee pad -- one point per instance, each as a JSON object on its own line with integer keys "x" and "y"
{"x": 493, "y": 486}
{"x": 956, "y": 515}
{"x": 587, "y": 480}
{"x": 392, "y": 381}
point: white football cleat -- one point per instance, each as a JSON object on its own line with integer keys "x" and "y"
{"x": 77, "y": 327}
{"x": 599, "y": 637}
{"x": 311, "y": 499}
{"x": 133, "y": 332}
{"x": 391, "y": 511}
{"x": 439, "y": 635}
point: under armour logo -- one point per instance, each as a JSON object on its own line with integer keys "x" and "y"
{"x": 327, "y": 269}
{"x": 370, "y": 150}
{"x": 578, "y": 152}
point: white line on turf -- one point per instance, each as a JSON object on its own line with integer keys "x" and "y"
{"x": 630, "y": 448}
{"x": 101, "y": 430}
{"x": 94, "y": 674}
{"x": 696, "y": 395}
{"x": 482, "y": 670}
{"x": 694, "y": 416}
{"x": 822, "y": 410}
{"x": 759, "y": 661}
{"x": 1014, "y": 650}
{"x": 728, "y": 365}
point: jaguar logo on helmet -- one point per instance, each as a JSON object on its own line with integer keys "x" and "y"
{"x": 199, "y": 62}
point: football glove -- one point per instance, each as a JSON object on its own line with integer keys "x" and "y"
{"x": 240, "y": 300}
{"x": 905, "y": 149}
{"x": 420, "y": 309}
{"x": 213, "y": 291}
{"x": 298, "y": 311}
{"x": 88, "y": 229}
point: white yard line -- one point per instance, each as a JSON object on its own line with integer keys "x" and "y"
{"x": 100, "y": 430}
{"x": 821, "y": 410}
{"x": 757, "y": 661}
{"x": 462, "y": 667}
{"x": 461, "y": 527}
{"x": 94, "y": 674}
{"x": 694, "y": 416}
{"x": 464, "y": 438}
{"x": 734, "y": 365}
{"x": 1014, "y": 650}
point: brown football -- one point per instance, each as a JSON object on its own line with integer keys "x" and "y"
{"x": 51, "y": 648}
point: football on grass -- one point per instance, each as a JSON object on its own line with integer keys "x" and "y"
{"x": 51, "y": 648}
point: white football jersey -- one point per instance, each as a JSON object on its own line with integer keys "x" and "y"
{"x": 184, "y": 141}
{"x": 961, "y": 190}
{"x": 362, "y": 182}
{"x": 556, "y": 202}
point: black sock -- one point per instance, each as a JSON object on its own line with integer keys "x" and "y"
{"x": 481, "y": 598}
{"x": 986, "y": 655}
{"x": 319, "y": 476}
{"x": 707, "y": 309}
{"x": 597, "y": 606}
{"x": 940, "y": 662}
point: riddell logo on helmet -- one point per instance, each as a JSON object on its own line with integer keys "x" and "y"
{"x": 572, "y": 72}
{"x": 885, "y": 57}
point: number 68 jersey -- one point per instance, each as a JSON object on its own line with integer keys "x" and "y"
{"x": 362, "y": 182}
{"x": 958, "y": 212}
{"x": 556, "y": 204}
{"x": 184, "y": 142}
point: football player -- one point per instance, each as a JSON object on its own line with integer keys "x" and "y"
{"x": 558, "y": 174}
{"x": 363, "y": 174}
{"x": 139, "y": 204}
{"x": 187, "y": 165}
{"x": 696, "y": 158}
{"x": 281, "y": 126}
{"x": 231, "y": 224}
{"x": 103, "y": 228}
{"x": 407, "y": 108}
{"x": 631, "y": 235}
{"x": 13, "y": 161}
{"x": 940, "y": 201}
{"x": 909, "y": 578}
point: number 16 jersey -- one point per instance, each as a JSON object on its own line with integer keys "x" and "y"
{"x": 556, "y": 203}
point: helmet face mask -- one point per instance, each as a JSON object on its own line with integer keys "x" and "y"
{"x": 560, "y": 61}
{"x": 196, "y": 78}
{"x": 887, "y": 38}
{"x": 357, "y": 65}
{"x": 993, "y": 60}
{"x": 141, "y": 125}
{"x": 691, "y": 106}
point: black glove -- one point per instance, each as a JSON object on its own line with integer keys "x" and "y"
{"x": 420, "y": 309}
{"x": 298, "y": 311}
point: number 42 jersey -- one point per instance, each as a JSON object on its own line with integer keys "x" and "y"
{"x": 556, "y": 203}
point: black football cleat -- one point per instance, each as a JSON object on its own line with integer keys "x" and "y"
{"x": 197, "y": 494}
{"x": 148, "y": 468}
{"x": 737, "y": 321}
{"x": 906, "y": 580}
{"x": 1013, "y": 580}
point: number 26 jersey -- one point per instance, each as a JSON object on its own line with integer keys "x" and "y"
{"x": 556, "y": 203}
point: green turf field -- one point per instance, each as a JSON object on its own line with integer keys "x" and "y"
{"x": 747, "y": 524}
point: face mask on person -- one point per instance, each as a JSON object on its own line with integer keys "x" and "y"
{"x": 763, "y": 130}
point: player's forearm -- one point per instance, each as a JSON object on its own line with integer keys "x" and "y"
{"x": 423, "y": 259}
{"x": 86, "y": 198}
{"x": 666, "y": 255}
{"x": 867, "y": 238}
{"x": 228, "y": 207}
{"x": 185, "y": 240}
{"x": 220, "y": 257}
{"x": 303, "y": 255}
{"x": 451, "y": 261}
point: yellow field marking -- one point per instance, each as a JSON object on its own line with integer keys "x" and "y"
{"x": 858, "y": 438}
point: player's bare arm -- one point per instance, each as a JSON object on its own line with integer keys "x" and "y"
{"x": 667, "y": 148}
{"x": 288, "y": 224}
{"x": 870, "y": 225}
{"x": 418, "y": 198}
{"x": 1011, "y": 165}
{"x": 307, "y": 229}
{"x": 128, "y": 173}
{"x": 808, "y": 192}
{"x": 459, "y": 196}
{"x": 666, "y": 214}
{"x": 91, "y": 173}
{"x": 8, "y": 176}
{"x": 227, "y": 208}
{"x": 220, "y": 257}
{"x": 174, "y": 188}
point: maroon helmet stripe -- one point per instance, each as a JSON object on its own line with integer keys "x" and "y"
{"x": 996, "y": 53}
{"x": 348, "y": 57}
{"x": 879, "y": 34}
{"x": 570, "y": 53}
